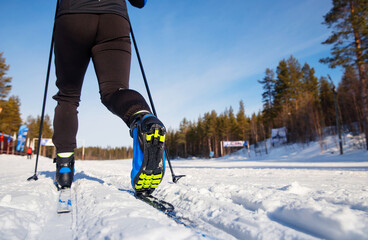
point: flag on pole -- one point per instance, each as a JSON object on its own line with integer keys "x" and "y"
{"x": 22, "y": 135}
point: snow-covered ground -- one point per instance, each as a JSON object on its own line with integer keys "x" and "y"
{"x": 295, "y": 192}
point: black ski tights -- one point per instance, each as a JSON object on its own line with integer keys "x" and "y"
{"x": 104, "y": 38}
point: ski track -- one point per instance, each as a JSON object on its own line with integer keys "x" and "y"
{"x": 275, "y": 210}
{"x": 234, "y": 202}
{"x": 112, "y": 200}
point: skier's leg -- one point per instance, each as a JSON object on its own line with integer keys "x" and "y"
{"x": 74, "y": 37}
{"x": 111, "y": 58}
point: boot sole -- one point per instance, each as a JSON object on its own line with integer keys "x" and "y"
{"x": 152, "y": 171}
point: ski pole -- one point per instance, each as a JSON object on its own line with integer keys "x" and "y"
{"x": 34, "y": 177}
{"x": 175, "y": 178}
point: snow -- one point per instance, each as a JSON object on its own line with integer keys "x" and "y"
{"x": 295, "y": 192}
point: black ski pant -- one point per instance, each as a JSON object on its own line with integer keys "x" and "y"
{"x": 105, "y": 39}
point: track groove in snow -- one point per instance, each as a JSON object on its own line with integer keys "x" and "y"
{"x": 226, "y": 212}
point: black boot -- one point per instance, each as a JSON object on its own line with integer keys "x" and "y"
{"x": 64, "y": 170}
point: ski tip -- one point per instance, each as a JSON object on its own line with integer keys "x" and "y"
{"x": 159, "y": 204}
{"x": 142, "y": 195}
{"x": 63, "y": 211}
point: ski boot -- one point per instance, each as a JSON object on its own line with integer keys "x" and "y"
{"x": 64, "y": 170}
{"x": 148, "y": 135}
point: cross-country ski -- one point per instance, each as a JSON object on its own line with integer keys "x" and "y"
{"x": 64, "y": 204}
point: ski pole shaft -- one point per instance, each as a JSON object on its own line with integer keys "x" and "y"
{"x": 174, "y": 177}
{"x": 34, "y": 177}
{"x": 143, "y": 73}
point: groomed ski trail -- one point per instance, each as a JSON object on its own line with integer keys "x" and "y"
{"x": 119, "y": 186}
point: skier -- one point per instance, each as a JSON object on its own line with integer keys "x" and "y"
{"x": 99, "y": 30}
{"x": 29, "y": 153}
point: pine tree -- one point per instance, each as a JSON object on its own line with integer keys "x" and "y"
{"x": 171, "y": 144}
{"x": 284, "y": 103}
{"x": 295, "y": 79}
{"x": 10, "y": 120}
{"x": 5, "y": 86}
{"x": 349, "y": 21}
{"x": 242, "y": 122}
{"x": 348, "y": 93}
{"x": 295, "y": 89}
{"x": 201, "y": 137}
{"x": 226, "y": 125}
{"x": 233, "y": 125}
{"x": 310, "y": 120}
{"x": 254, "y": 129}
{"x": 212, "y": 133}
{"x": 282, "y": 86}
{"x": 182, "y": 136}
{"x": 327, "y": 102}
{"x": 310, "y": 82}
{"x": 268, "y": 94}
{"x": 288, "y": 84}
{"x": 34, "y": 127}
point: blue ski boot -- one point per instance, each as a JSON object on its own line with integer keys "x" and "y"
{"x": 64, "y": 170}
{"x": 148, "y": 152}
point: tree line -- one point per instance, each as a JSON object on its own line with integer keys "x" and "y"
{"x": 99, "y": 153}
{"x": 200, "y": 137}
{"x": 293, "y": 97}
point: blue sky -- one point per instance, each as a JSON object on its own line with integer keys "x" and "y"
{"x": 198, "y": 56}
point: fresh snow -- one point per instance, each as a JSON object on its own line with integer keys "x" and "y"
{"x": 295, "y": 192}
